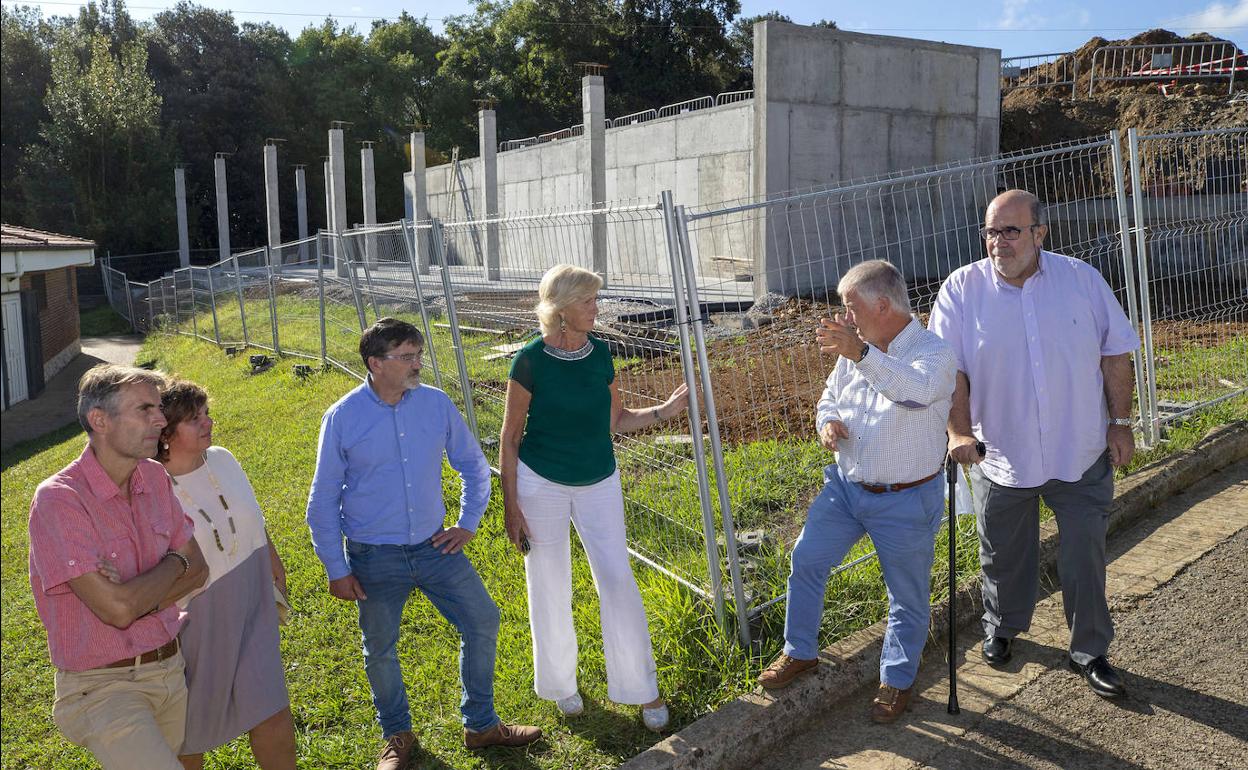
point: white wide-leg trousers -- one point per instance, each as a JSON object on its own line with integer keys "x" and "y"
{"x": 597, "y": 511}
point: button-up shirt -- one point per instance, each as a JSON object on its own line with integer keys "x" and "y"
{"x": 1033, "y": 358}
{"x": 378, "y": 473}
{"x": 78, "y": 517}
{"x": 896, "y": 407}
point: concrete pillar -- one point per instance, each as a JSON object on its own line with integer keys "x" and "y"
{"x": 369, "y": 183}
{"x": 301, "y": 210}
{"x": 272, "y": 209}
{"x": 592, "y": 159}
{"x": 223, "y": 207}
{"x": 338, "y": 190}
{"x": 420, "y": 199}
{"x": 329, "y": 193}
{"x": 184, "y": 238}
{"x": 488, "y": 205}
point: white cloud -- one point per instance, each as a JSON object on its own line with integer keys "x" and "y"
{"x": 1216, "y": 16}
{"x": 1015, "y": 15}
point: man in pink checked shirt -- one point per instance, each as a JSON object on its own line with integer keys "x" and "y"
{"x": 110, "y": 552}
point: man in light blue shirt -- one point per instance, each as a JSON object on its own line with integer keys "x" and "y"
{"x": 378, "y": 482}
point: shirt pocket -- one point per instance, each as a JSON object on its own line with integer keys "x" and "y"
{"x": 120, "y": 551}
{"x": 162, "y": 535}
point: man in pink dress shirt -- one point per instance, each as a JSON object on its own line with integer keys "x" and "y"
{"x": 1045, "y": 380}
{"x": 110, "y": 551}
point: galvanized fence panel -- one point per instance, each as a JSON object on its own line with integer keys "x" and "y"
{"x": 492, "y": 315}
{"x": 764, "y": 364}
{"x": 1206, "y": 60}
{"x": 296, "y": 298}
{"x": 1191, "y": 213}
{"x": 1042, "y": 70}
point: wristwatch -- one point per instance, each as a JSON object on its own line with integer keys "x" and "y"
{"x": 866, "y": 348}
{"x": 1124, "y": 421}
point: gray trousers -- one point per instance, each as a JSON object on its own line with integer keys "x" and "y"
{"x": 1008, "y": 519}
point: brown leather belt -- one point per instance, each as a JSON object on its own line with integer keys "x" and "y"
{"x": 879, "y": 489}
{"x": 151, "y": 656}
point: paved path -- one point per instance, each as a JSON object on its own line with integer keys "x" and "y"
{"x": 56, "y": 406}
{"x": 1178, "y": 585}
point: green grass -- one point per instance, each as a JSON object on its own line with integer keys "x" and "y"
{"x": 102, "y": 321}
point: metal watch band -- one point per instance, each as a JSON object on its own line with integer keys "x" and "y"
{"x": 1125, "y": 421}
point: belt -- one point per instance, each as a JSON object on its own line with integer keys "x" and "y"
{"x": 879, "y": 489}
{"x": 167, "y": 650}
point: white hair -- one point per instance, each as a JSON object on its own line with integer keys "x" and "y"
{"x": 876, "y": 278}
{"x": 563, "y": 285}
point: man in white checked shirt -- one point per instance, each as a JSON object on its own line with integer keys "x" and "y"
{"x": 883, "y": 412}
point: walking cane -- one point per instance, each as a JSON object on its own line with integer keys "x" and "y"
{"x": 951, "y": 474}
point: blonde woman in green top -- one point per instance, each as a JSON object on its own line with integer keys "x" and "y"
{"x": 558, "y": 465}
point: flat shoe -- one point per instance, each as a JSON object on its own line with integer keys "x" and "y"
{"x": 1100, "y": 676}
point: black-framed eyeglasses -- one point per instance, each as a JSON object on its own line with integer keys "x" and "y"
{"x": 407, "y": 358}
{"x": 1009, "y": 233}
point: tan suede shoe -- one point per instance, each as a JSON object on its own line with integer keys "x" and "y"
{"x": 889, "y": 704}
{"x": 397, "y": 752}
{"x": 502, "y": 735}
{"x": 784, "y": 670}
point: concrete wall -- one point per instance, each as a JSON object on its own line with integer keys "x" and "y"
{"x": 833, "y": 106}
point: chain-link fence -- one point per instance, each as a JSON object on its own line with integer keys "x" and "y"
{"x": 726, "y": 299}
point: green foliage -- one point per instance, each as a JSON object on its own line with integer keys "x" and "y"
{"x": 102, "y": 321}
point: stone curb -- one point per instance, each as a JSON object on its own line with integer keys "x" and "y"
{"x": 741, "y": 731}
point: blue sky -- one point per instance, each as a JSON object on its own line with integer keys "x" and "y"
{"x": 1017, "y": 27}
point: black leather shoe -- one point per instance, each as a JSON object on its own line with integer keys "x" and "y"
{"x": 997, "y": 650}
{"x": 1101, "y": 677}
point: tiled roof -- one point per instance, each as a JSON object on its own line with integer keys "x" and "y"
{"x": 15, "y": 238}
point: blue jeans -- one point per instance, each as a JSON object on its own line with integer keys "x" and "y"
{"x": 388, "y": 573}
{"x": 903, "y": 527}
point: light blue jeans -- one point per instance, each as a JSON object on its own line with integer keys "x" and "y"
{"x": 903, "y": 527}
{"x": 388, "y": 573}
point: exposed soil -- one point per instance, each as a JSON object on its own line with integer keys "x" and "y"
{"x": 1031, "y": 117}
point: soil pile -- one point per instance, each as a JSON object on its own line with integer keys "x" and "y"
{"x": 1031, "y": 117}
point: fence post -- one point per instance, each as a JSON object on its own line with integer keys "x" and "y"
{"x": 413, "y": 250}
{"x": 194, "y": 304}
{"x": 242, "y": 310}
{"x": 465, "y": 386}
{"x": 345, "y": 259}
{"x": 1141, "y": 255}
{"x": 712, "y": 424}
{"x": 320, "y": 297}
{"x": 125, "y": 284}
{"x": 714, "y": 574}
{"x": 268, "y": 274}
{"x": 212, "y": 298}
{"x": 1128, "y": 271}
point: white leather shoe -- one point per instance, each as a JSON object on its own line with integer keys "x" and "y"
{"x": 572, "y": 705}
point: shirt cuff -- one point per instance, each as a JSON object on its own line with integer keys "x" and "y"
{"x": 468, "y": 522}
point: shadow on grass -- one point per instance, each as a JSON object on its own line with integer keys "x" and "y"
{"x": 27, "y": 449}
{"x": 611, "y": 733}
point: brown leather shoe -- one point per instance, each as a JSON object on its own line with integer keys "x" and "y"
{"x": 502, "y": 735}
{"x": 397, "y": 752}
{"x": 889, "y": 704}
{"x": 784, "y": 670}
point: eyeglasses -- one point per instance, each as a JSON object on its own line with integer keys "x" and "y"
{"x": 1008, "y": 233}
{"x": 407, "y": 358}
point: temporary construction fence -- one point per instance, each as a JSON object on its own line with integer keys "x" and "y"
{"x": 715, "y": 500}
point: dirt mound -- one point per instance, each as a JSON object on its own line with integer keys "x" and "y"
{"x": 1033, "y": 116}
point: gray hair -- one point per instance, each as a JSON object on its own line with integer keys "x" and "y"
{"x": 876, "y": 278}
{"x": 100, "y": 387}
{"x": 563, "y": 285}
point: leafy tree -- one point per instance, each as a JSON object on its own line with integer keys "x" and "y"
{"x": 25, "y": 71}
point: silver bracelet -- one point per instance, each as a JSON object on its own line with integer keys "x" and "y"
{"x": 186, "y": 563}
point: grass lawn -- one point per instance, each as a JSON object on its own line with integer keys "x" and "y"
{"x": 102, "y": 321}
{"x": 270, "y": 422}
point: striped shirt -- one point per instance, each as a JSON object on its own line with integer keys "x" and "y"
{"x": 895, "y": 405}
{"x": 79, "y": 516}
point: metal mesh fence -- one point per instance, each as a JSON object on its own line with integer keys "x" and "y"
{"x": 1190, "y": 198}
{"x": 764, "y": 364}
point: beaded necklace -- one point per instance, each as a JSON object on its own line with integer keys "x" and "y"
{"x": 187, "y": 501}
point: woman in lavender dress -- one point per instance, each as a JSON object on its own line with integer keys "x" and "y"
{"x": 234, "y": 674}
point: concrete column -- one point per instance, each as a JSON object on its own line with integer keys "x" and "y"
{"x": 223, "y": 208}
{"x": 338, "y": 190}
{"x": 184, "y": 238}
{"x": 301, "y": 210}
{"x": 369, "y": 177}
{"x": 272, "y": 208}
{"x": 329, "y": 194}
{"x": 488, "y": 205}
{"x": 420, "y": 199}
{"x": 592, "y": 159}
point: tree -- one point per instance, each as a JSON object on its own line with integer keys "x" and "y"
{"x": 25, "y": 71}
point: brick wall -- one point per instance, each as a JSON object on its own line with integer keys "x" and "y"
{"x": 57, "y": 293}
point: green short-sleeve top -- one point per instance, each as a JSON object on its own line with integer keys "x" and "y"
{"x": 567, "y": 438}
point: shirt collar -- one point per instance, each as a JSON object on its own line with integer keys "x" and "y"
{"x": 1001, "y": 284}
{"x": 102, "y": 485}
{"x": 909, "y": 334}
{"x": 368, "y": 388}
